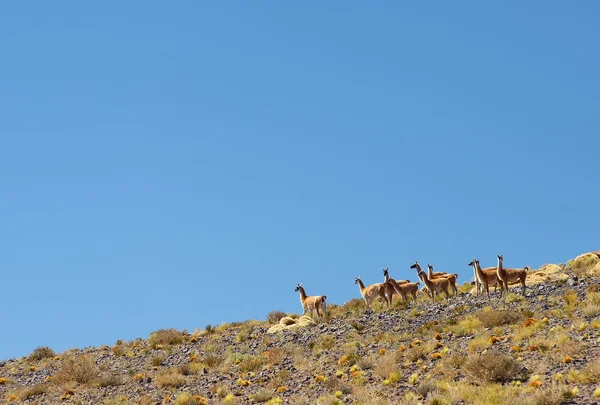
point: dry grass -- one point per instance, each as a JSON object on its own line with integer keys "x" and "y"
{"x": 187, "y": 399}
{"x": 274, "y": 317}
{"x": 467, "y": 326}
{"x": 492, "y": 367}
{"x": 79, "y": 369}
{"x": 42, "y": 352}
{"x": 170, "y": 379}
{"x": 553, "y": 395}
{"x": 587, "y": 264}
{"x": 212, "y": 361}
{"x": 165, "y": 337}
{"x": 386, "y": 365}
{"x": 251, "y": 364}
{"x": 109, "y": 380}
{"x": 490, "y": 318}
{"x": 34, "y": 391}
{"x": 262, "y": 395}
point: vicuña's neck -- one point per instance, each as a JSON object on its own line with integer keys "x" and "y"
{"x": 386, "y": 277}
{"x": 360, "y": 284}
{"x": 302, "y": 294}
{"x": 500, "y": 268}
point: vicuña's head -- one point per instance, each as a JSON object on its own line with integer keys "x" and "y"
{"x": 429, "y": 266}
{"x": 356, "y": 280}
{"x": 500, "y": 258}
{"x": 472, "y": 263}
{"x": 526, "y": 268}
{"x": 385, "y": 271}
{"x": 298, "y": 287}
{"x": 414, "y": 266}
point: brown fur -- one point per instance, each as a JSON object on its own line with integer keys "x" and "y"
{"x": 390, "y": 291}
{"x": 507, "y": 276}
{"x": 485, "y": 278}
{"x": 371, "y": 292}
{"x": 436, "y": 285}
{"x": 450, "y": 277}
{"x": 313, "y": 303}
{"x": 404, "y": 289}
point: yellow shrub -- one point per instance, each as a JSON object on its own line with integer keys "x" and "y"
{"x": 535, "y": 381}
{"x": 412, "y": 380}
{"x": 320, "y": 378}
{"x": 242, "y": 382}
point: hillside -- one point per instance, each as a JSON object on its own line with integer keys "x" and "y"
{"x": 538, "y": 349}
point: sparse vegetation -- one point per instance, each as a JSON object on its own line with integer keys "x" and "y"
{"x": 42, "y": 352}
{"x": 274, "y": 317}
{"x": 165, "y": 337}
{"x": 491, "y": 367}
{"x": 170, "y": 379}
{"x": 79, "y": 369}
{"x": 534, "y": 349}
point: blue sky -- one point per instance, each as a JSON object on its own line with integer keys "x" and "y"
{"x": 184, "y": 165}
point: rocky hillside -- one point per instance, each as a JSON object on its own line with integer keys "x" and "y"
{"x": 539, "y": 349}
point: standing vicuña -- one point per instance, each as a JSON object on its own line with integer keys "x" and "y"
{"x": 434, "y": 285}
{"x": 312, "y": 303}
{"x": 485, "y": 277}
{"x": 390, "y": 290}
{"x": 451, "y": 278}
{"x": 404, "y": 289}
{"x": 371, "y": 292}
{"x": 507, "y": 276}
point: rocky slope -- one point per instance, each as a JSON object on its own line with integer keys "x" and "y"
{"x": 538, "y": 349}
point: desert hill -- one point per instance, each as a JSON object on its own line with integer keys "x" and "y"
{"x": 541, "y": 348}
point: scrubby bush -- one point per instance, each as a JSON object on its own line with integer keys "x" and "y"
{"x": 31, "y": 392}
{"x": 170, "y": 379}
{"x": 187, "y": 399}
{"x": 79, "y": 369}
{"x": 386, "y": 365}
{"x": 165, "y": 337}
{"x": 41, "y": 352}
{"x": 587, "y": 264}
{"x": 251, "y": 364}
{"x": 490, "y": 318}
{"x": 274, "y": 317}
{"x": 492, "y": 367}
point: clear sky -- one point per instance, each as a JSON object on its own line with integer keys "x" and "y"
{"x": 178, "y": 165}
